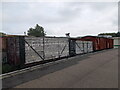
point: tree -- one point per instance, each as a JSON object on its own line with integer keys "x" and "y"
{"x": 38, "y": 31}
{"x": 118, "y": 34}
{"x": 112, "y": 34}
{"x": 2, "y": 34}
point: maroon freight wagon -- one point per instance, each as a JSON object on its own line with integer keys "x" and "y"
{"x": 3, "y": 49}
{"x": 99, "y": 43}
{"x": 11, "y": 48}
{"x": 3, "y": 43}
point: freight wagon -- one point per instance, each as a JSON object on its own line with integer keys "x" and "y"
{"x": 3, "y": 49}
{"x": 45, "y": 48}
{"x": 99, "y": 43}
{"x": 54, "y": 47}
{"x": 24, "y": 51}
{"x": 10, "y": 46}
{"x": 78, "y": 46}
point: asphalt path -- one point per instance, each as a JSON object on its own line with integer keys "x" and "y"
{"x": 94, "y": 70}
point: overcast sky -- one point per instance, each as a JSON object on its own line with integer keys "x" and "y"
{"x": 58, "y": 18}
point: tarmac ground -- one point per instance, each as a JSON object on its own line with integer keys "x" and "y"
{"x": 94, "y": 70}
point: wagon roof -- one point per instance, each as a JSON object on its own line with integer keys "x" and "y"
{"x": 96, "y": 37}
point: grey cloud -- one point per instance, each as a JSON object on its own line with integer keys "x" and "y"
{"x": 66, "y": 17}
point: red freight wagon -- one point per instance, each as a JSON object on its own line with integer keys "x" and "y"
{"x": 99, "y": 43}
{"x": 93, "y": 39}
{"x": 111, "y": 43}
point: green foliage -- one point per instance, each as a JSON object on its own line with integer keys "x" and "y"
{"x": 38, "y": 31}
{"x": 112, "y": 34}
{"x": 2, "y": 34}
{"x": 118, "y": 34}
